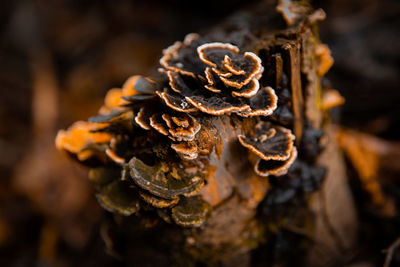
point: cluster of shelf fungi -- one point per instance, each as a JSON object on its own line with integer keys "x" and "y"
{"x": 211, "y": 146}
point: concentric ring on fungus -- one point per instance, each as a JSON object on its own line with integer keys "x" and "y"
{"x": 233, "y": 76}
{"x": 274, "y": 145}
{"x": 277, "y": 147}
{"x": 225, "y": 82}
{"x": 159, "y": 183}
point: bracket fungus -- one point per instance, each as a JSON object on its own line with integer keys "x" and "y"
{"x": 161, "y": 132}
{"x": 160, "y": 181}
{"x": 274, "y": 147}
{"x": 222, "y": 80}
{"x": 171, "y": 143}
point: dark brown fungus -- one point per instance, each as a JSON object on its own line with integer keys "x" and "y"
{"x": 218, "y": 105}
{"x": 158, "y": 181}
{"x": 184, "y": 129}
{"x": 118, "y": 197}
{"x": 157, "y": 201}
{"x": 180, "y": 58}
{"x": 113, "y": 194}
{"x": 144, "y": 85}
{"x": 274, "y": 146}
{"x": 262, "y": 104}
{"x": 211, "y": 79}
{"x": 234, "y": 70}
{"x": 248, "y": 90}
{"x": 158, "y": 124}
{"x": 137, "y": 98}
{"x": 224, "y": 81}
{"x": 191, "y": 212}
{"x": 141, "y": 119}
{"x": 102, "y": 176}
{"x": 269, "y": 142}
{"x": 176, "y": 102}
{"x": 178, "y": 127}
{"x": 213, "y": 54}
{"x": 113, "y": 115}
{"x": 275, "y": 167}
{"x": 187, "y": 151}
{"x": 138, "y": 84}
{"x": 183, "y": 122}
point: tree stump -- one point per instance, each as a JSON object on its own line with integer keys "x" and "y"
{"x": 217, "y": 159}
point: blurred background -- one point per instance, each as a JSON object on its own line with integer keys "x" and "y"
{"x": 59, "y": 57}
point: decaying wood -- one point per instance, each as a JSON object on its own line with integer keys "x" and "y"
{"x": 229, "y": 224}
{"x": 297, "y": 93}
{"x": 335, "y": 219}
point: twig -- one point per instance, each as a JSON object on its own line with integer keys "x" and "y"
{"x": 390, "y": 251}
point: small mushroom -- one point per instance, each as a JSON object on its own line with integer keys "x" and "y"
{"x": 161, "y": 183}
{"x": 191, "y": 212}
